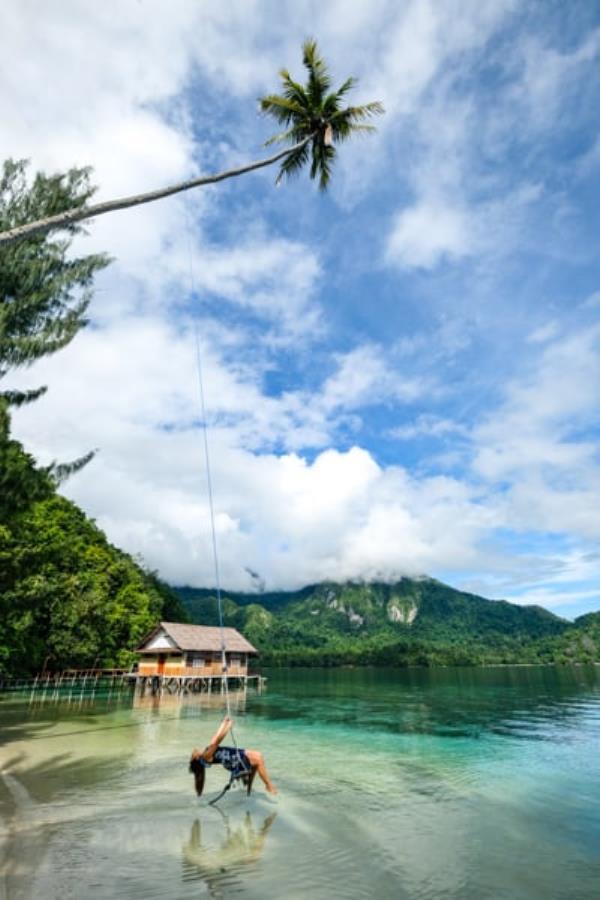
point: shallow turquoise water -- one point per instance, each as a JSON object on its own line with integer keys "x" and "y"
{"x": 393, "y": 784}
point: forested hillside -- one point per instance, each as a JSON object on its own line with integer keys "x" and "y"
{"x": 67, "y": 596}
{"x": 411, "y": 622}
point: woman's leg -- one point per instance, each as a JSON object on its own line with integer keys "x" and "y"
{"x": 255, "y": 758}
{"x": 207, "y": 754}
{"x": 225, "y": 726}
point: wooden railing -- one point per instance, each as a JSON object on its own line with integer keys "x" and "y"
{"x": 91, "y": 673}
{"x": 90, "y": 678}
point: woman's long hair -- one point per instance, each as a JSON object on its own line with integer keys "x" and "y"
{"x": 198, "y": 770}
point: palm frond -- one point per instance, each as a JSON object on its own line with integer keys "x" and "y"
{"x": 359, "y": 113}
{"x": 319, "y": 79}
{"x": 291, "y": 136}
{"x": 294, "y": 91}
{"x": 293, "y": 164}
{"x": 323, "y": 157}
{"x": 330, "y": 106}
{"x": 281, "y": 108}
{"x": 346, "y": 86}
{"x": 343, "y": 134}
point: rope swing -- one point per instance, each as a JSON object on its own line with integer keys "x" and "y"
{"x": 240, "y": 770}
{"x": 212, "y": 519}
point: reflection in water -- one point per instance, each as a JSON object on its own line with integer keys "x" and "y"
{"x": 78, "y": 698}
{"x": 460, "y": 703}
{"x": 185, "y": 704}
{"x": 221, "y": 868}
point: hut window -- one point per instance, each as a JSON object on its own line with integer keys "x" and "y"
{"x": 197, "y": 662}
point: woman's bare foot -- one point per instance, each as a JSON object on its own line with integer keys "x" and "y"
{"x": 271, "y": 788}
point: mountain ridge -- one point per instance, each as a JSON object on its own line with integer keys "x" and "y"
{"x": 410, "y": 621}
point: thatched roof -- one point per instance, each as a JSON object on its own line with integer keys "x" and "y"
{"x": 200, "y": 638}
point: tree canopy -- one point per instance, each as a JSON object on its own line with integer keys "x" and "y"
{"x": 44, "y": 288}
{"x": 68, "y": 598}
{"x": 315, "y": 118}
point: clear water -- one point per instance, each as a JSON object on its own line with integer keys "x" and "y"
{"x": 414, "y": 784}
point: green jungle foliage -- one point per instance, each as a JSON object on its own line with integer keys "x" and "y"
{"x": 578, "y": 643}
{"x": 412, "y": 622}
{"x": 44, "y": 289}
{"x": 68, "y": 598}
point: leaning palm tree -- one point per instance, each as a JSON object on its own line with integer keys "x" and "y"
{"x": 314, "y": 121}
{"x": 314, "y": 118}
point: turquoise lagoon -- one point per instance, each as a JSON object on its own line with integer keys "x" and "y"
{"x": 462, "y": 784}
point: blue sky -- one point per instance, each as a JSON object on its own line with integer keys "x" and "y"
{"x": 401, "y": 374}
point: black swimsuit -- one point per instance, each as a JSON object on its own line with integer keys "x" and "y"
{"x": 232, "y": 759}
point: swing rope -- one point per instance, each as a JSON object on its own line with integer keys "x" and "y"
{"x": 241, "y": 768}
{"x": 212, "y": 518}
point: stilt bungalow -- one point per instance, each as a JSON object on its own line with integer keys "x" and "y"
{"x": 175, "y": 652}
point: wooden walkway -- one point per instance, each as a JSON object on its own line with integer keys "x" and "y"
{"x": 88, "y": 681}
{"x": 67, "y": 678}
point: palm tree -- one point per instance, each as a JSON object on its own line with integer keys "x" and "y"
{"x": 314, "y": 120}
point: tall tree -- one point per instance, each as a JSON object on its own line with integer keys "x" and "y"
{"x": 44, "y": 289}
{"x": 21, "y": 482}
{"x": 314, "y": 119}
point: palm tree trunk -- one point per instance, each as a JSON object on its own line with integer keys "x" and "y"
{"x": 77, "y": 215}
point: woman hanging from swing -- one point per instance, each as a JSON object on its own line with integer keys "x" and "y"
{"x": 242, "y": 764}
